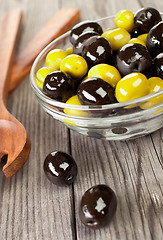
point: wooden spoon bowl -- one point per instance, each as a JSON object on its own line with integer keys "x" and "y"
{"x": 14, "y": 140}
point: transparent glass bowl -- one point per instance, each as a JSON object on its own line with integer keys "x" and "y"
{"x": 119, "y": 121}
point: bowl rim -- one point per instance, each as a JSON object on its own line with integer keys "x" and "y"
{"x": 56, "y": 103}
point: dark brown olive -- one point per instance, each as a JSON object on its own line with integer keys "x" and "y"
{"x": 60, "y": 168}
{"x": 95, "y": 91}
{"x": 145, "y": 19}
{"x": 78, "y": 45}
{"x": 133, "y": 57}
{"x": 96, "y": 50}
{"x": 57, "y": 85}
{"x": 82, "y": 27}
{"x": 155, "y": 39}
{"x": 98, "y": 206}
{"x": 158, "y": 65}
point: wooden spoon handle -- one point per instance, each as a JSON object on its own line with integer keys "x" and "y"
{"x": 58, "y": 25}
{"x": 9, "y": 28}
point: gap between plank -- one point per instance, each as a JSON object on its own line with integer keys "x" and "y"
{"x": 156, "y": 152}
{"x": 73, "y": 192}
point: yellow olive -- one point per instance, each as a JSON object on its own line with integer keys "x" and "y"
{"x": 137, "y": 40}
{"x": 74, "y": 65}
{"x": 117, "y": 38}
{"x": 132, "y": 86}
{"x": 75, "y": 101}
{"x": 55, "y": 57}
{"x": 143, "y": 37}
{"x": 124, "y": 19}
{"x": 41, "y": 75}
{"x": 104, "y": 34}
{"x": 38, "y": 83}
{"x": 155, "y": 84}
{"x": 69, "y": 50}
{"x": 106, "y": 72}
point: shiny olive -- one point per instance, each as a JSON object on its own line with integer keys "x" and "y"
{"x": 78, "y": 45}
{"x": 137, "y": 40}
{"x": 132, "y": 86}
{"x": 155, "y": 39}
{"x": 117, "y": 38}
{"x": 95, "y": 91}
{"x": 41, "y": 75}
{"x": 74, "y": 65}
{"x": 145, "y": 19}
{"x": 82, "y": 27}
{"x": 106, "y": 72}
{"x": 158, "y": 65}
{"x": 74, "y": 100}
{"x": 60, "y": 168}
{"x": 96, "y": 50}
{"x": 143, "y": 37}
{"x": 55, "y": 57}
{"x": 69, "y": 50}
{"x": 124, "y": 19}
{"x": 57, "y": 85}
{"x": 98, "y": 206}
{"x": 155, "y": 84}
{"x": 133, "y": 57}
{"x": 104, "y": 34}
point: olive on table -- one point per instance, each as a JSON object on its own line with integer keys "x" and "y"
{"x": 60, "y": 168}
{"x": 82, "y": 27}
{"x": 98, "y": 206}
{"x": 132, "y": 86}
{"x": 133, "y": 57}
{"x": 95, "y": 91}
{"x": 96, "y": 50}
{"x": 145, "y": 19}
{"x": 57, "y": 85}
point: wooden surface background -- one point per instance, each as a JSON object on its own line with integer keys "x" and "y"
{"x": 33, "y": 208}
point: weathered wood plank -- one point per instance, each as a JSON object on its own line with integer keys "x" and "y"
{"x": 134, "y": 172}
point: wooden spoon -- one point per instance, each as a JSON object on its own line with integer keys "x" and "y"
{"x": 14, "y": 140}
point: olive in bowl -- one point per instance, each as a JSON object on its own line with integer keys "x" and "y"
{"x": 145, "y": 19}
{"x": 133, "y": 57}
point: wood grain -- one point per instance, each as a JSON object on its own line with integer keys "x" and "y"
{"x": 31, "y": 208}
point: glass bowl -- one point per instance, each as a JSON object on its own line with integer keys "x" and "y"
{"x": 118, "y": 121}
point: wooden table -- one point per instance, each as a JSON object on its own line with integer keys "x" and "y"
{"x": 31, "y": 207}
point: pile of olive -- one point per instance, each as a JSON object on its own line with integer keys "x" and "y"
{"x": 98, "y": 204}
{"x": 104, "y": 67}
